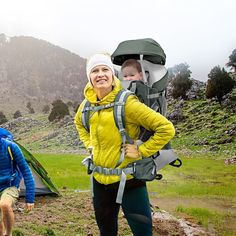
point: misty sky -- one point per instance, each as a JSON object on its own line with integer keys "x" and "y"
{"x": 201, "y": 33}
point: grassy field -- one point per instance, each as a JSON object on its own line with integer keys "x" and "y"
{"x": 203, "y": 190}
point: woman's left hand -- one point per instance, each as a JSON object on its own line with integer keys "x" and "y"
{"x": 131, "y": 150}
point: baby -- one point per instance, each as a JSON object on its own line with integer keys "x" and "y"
{"x": 131, "y": 70}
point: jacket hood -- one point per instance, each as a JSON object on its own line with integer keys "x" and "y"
{"x": 91, "y": 96}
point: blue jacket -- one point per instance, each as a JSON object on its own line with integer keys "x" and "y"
{"x": 11, "y": 172}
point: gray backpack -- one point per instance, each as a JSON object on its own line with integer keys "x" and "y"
{"x": 145, "y": 169}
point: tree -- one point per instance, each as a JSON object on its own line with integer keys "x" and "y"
{"x": 181, "y": 84}
{"x": 181, "y": 81}
{"x": 219, "y": 83}
{"x": 59, "y": 110}
{"x": 3, "y": 118}
{"x": 17, "y": 114}
{"x": 29, "y": 107}
{"x": 182, "y": 68}
{"x": 232, "y": 60}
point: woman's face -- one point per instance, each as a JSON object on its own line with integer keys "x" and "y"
{"x": 101, "y": 77}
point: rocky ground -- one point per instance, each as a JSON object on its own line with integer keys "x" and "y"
{"x": 72, "y": 214}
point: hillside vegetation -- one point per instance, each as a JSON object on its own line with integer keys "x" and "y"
{"x": 202, "y": 126}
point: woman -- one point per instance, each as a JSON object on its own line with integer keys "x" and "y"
{"x": 105, "y": 143}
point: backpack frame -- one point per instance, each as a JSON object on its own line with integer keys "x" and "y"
{"x": 145, "y": 169}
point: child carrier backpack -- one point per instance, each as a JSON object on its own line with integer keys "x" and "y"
{"x": 152, "y": 92}
{"x": 145, "y": 169}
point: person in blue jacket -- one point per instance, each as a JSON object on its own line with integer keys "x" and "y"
{"x": 13, "y": 167}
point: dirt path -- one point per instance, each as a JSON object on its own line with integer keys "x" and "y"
{"x": 72, "y": 215}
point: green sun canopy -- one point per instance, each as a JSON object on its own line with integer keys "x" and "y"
{"x": 149, "y": 48}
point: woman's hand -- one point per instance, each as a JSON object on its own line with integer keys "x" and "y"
{"x": 131, "y": 150}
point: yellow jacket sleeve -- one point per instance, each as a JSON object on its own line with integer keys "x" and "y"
{"x": 163, "y": 130}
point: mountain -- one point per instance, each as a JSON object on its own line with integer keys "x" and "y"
{"x": 36, "y": 71}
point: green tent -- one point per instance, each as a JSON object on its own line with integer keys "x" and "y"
{"x": 43, "y": 184}
{"x": 147, "y": 47}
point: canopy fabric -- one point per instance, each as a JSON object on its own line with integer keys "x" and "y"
{"x": 149, "y": 48}
{"x": 43, "y": 184}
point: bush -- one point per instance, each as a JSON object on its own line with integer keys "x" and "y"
{"x": 59, "y": 110}
{"x": 17, "y": 114}
{"x": 3, "y": 118}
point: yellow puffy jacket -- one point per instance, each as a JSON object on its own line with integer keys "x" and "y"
{"x": 105, "y": 139}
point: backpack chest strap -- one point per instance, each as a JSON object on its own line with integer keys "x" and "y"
{"x": 98, "y": 108}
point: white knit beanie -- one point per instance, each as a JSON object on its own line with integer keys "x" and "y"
{"x": 99, "y": 59}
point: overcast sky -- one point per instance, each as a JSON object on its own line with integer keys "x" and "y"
{"x": 201, "y": 33}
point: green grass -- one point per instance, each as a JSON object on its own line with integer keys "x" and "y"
{"x": 65, "y": 170}
{"x": 201, "y": 179}
{"x": 205, "y": 217}
{"x": 206, "y": 187}
{"x": 209, "y": 219}
{"x": 198, "y": 177}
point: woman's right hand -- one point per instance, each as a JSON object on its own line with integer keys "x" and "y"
{"x": 131, "y": 150}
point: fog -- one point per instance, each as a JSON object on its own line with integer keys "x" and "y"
{"x": 201, "y": 33}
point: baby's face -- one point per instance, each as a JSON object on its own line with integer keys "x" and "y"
{"x": 131, "y": 73}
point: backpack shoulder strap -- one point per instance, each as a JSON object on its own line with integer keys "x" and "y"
{"x": 119, "y": 116}
{"x": 86, "y": 114}
{"x": 119, "y": 112}
{"x": 87, "y": 108}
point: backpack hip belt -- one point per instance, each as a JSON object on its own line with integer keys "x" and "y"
{"x": 109, "y": 171}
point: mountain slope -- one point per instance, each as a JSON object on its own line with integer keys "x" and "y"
{"x": 202, "y": 126}
{"x": 33, "y": 70}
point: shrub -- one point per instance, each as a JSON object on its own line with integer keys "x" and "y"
{"x": 59, "y": 110}
{"x": 17, "y": 114}
{"x": 3, "y": 118}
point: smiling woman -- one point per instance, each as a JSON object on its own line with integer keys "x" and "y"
{"x": 111, "y": 152}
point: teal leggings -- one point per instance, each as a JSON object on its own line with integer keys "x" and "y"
{"x": 135, "y": 205}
